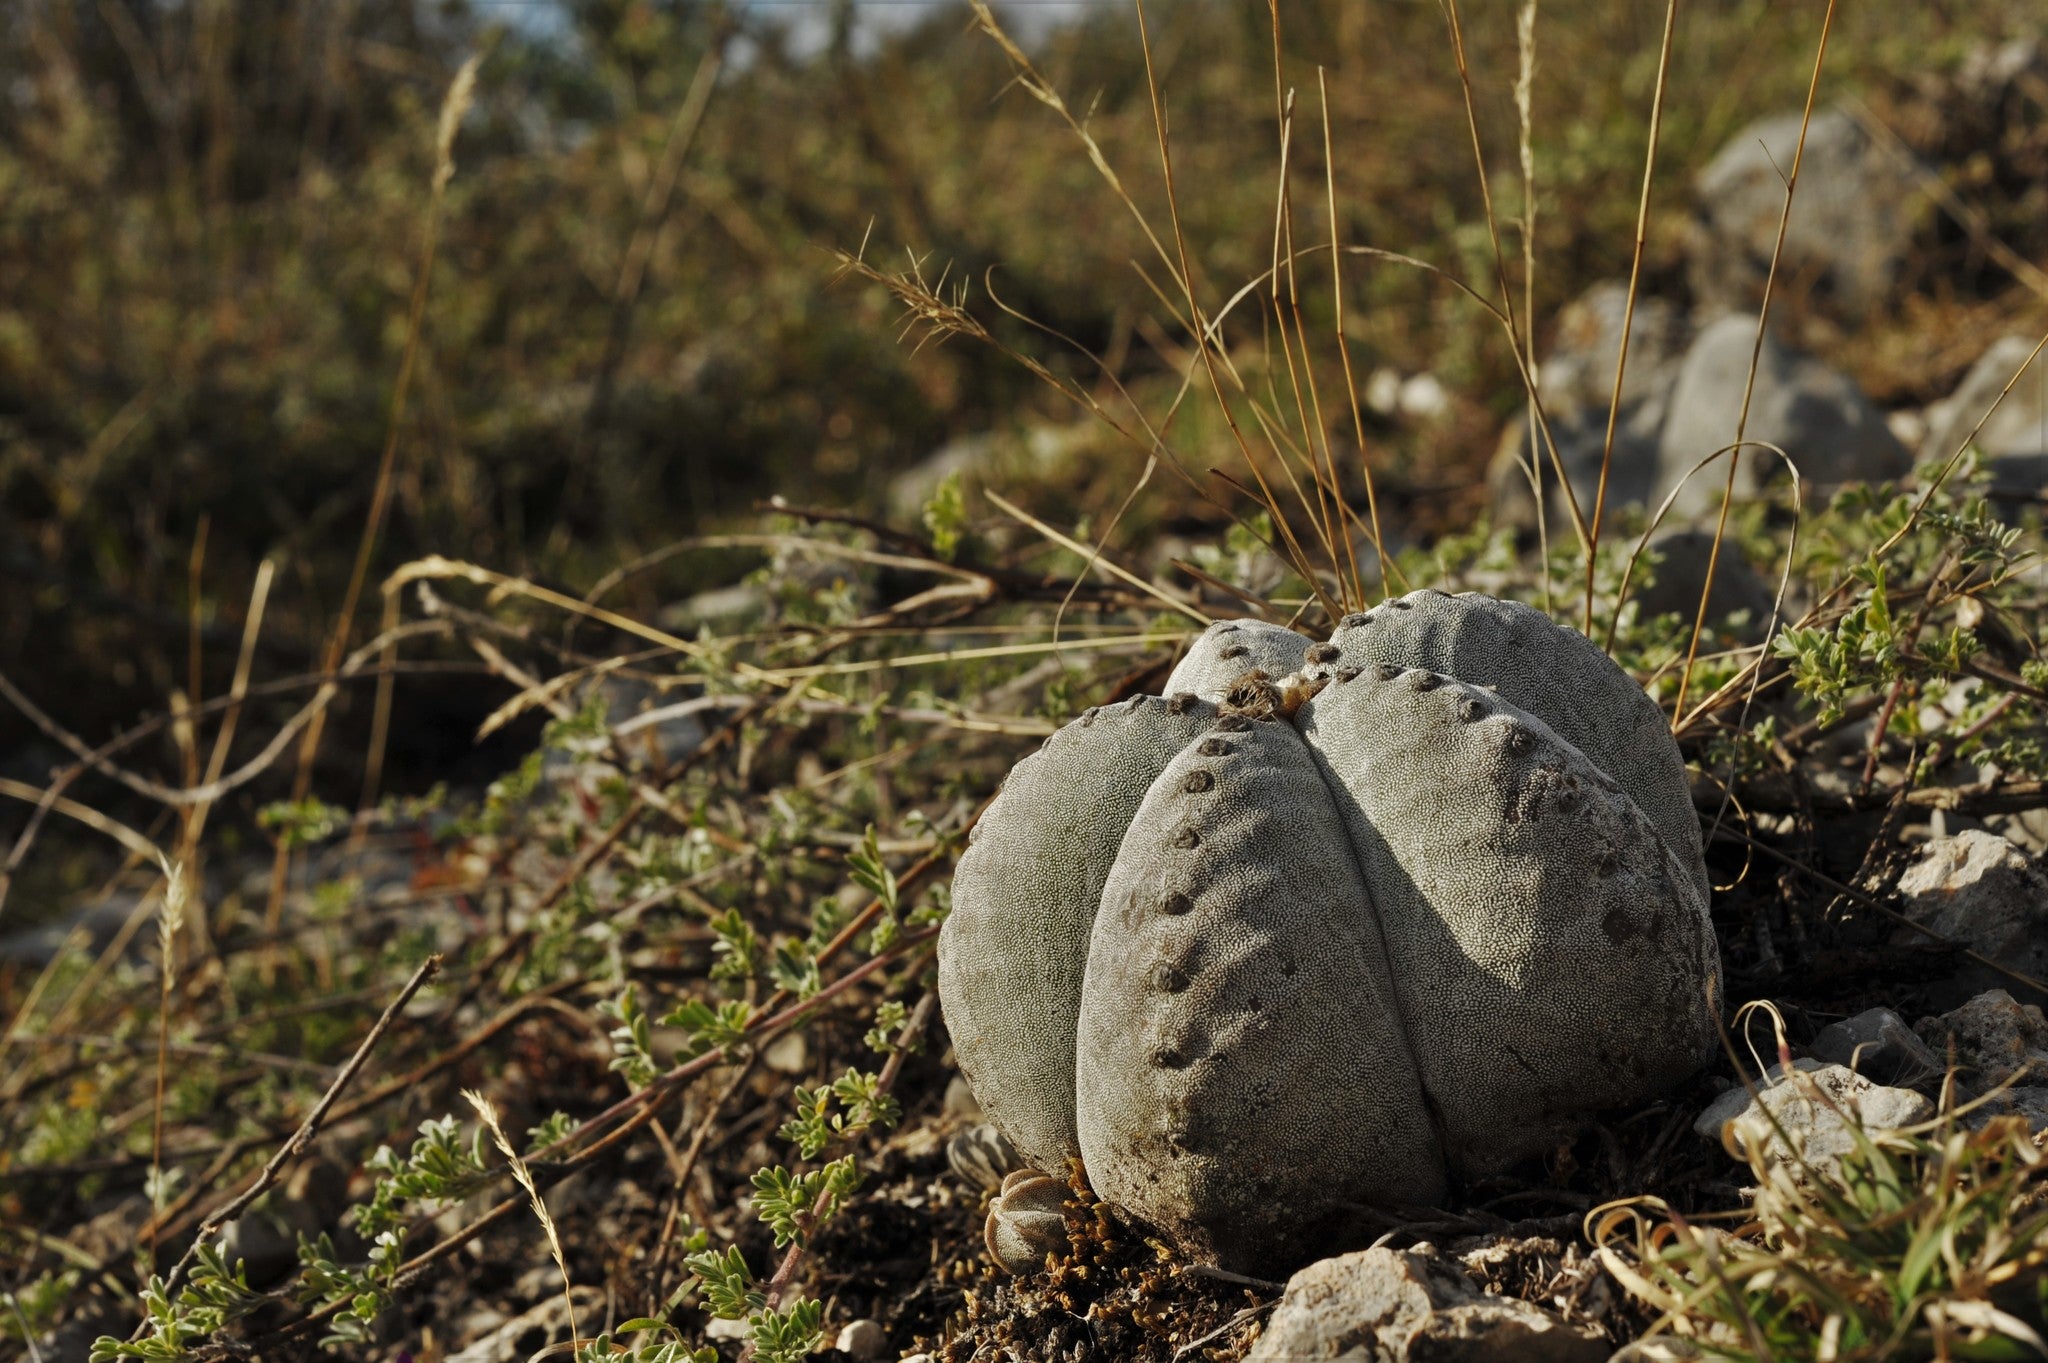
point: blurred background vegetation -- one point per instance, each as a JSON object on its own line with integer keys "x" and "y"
{"x": 214, "y": 216}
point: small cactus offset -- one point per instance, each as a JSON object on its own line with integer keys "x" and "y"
{"x": 1333, "y": 926}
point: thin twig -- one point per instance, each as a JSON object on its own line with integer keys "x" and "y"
{"x": 308, "y": 1128}
{"x": 1763, "y": 316}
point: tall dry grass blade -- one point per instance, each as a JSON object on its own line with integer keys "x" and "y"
{"x": 1763, "y": 316}
{"x": 1628, "y": 313}
{"x": 486, "y": 1110}
{"x": 1307, "y": 412}
{"x": 1524, "y": 359}
{"x": 1372, "y": 501}
{"x": 170, "y": 922}
{"x": 1039, "y": 88}
{"x": 238, "y": 690}
{"x": 453, "y": 106}
{"x": 1094, "y": 557}
{"x": 1525, "y": 146}
{"x": 1205, "y": 346}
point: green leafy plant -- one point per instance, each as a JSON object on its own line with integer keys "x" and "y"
{"x": 1929, "y": 1243}
{"x": 214, "y": 1294}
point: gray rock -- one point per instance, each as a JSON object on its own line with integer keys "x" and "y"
{"x": 1406, "y": 1306}
{"x": 863, "y": 1339}
{"x": 1853, "y": 217}
{"x": 261, "y": 1244}
{"x": 1735, "y": 1101}
{"x": 1980, "y": 890}
{"x": 1577, "y": 385}
{"x": 1993, "y": 1036}
{"x": 2014, "y": 437}
{"x": 1681, "y": 572}
{"x": 960, "y": 1100}
{"x": 1879, "y": 1045}
{"x": 1662, "y": 1349}
{"x": 1808, "y": 1107}
{"x": 1812, "y": 411}
{"x": 2028, "y": 1101}
{"x": 1577, "y": 378}
{"x": 87, "y": 930}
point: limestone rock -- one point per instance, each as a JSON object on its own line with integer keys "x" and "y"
{"x": 1980, "y": 890}
{"x": 1993, "y": 1036}
{"x": 1407, "y": 1306}
{"x": 1879, "y": 1045}
{"x": 1811, "y": 410}
{"x": 1807, "y": 1106}
{"x": 2014, "y": 436}
{"x": 863, "y": 1339}
{"x": 1853, "y": 217}
{"x": 1576, "y": 381}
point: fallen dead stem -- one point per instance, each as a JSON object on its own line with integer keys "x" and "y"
{"x": 308, "y": 1128}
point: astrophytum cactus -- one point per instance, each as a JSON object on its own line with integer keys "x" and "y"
{"x": 1333, "y": 927}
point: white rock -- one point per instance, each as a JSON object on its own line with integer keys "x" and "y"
{"x": 2014, "y": 436}
{"x": 1908, "y": 425}
{"x": 1980, "y": 890}
{"x": 787, "y": 1054}
{"x": 1385, "y": 1304}
{"x": 718, "y": 1327}
{"x": 1383, "y": 391}
{"x": 1807, "y": 1107}
{"x": 862, "y": 1339}
{"x": 1423, "y": 398}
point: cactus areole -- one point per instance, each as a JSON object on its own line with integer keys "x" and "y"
{"x": 1331, "y": 926}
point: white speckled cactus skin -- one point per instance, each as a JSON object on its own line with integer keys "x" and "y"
{"x": 1261, "y": 970}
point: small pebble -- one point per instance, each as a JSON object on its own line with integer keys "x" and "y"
{"x": 863, "y": 1339}
{"x": 960, "y": 1101}
{"x": 787, "y": 1054}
